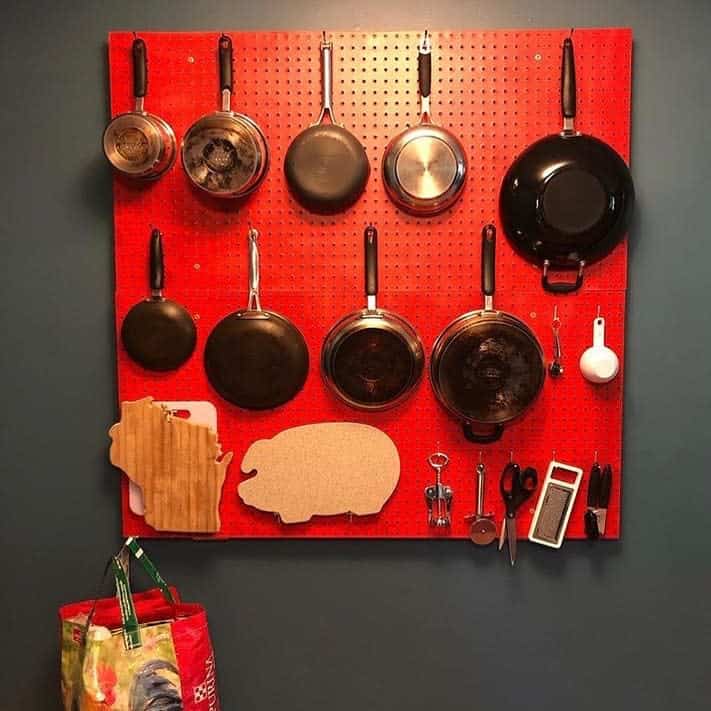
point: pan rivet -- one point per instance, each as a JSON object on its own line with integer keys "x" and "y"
{"x": 537, "y": 57}
{"x": 191, "y": 60}
{"x": 196, "y": 266}
{"x": 533, "y": 314}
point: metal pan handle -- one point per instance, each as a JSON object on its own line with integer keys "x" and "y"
{"x": 140, "y": 71}
{"x": 567, "y": 86}
{"x": 494, "y": 435}
{"x": 424, "y": 74}
{"x": 156, "y": 273}
{"x": 326, "y": 81}
{"x": 225, "y": 60}
{"x": 253, "y": 303}
{"x": 371, "y": 265}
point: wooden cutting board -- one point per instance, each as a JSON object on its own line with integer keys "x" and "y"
{"x": 323, "y": 469}
{"x": 177, "y": 463}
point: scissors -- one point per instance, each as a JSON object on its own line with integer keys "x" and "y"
{"x": 515, "y": 486}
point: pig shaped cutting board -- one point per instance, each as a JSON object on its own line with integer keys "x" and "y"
{"x": 322, "y": 469}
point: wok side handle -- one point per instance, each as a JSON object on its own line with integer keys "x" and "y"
{"x": 562, "y": 287}
{"x": 482, "y": 438}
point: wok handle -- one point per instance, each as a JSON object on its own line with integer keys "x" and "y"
{"x": 371, "y": 260}
{"x": 140, "y": 68}
{"x": 562, "y": 287}
{"x": 225, "y": 56}
{"x": 156, "y": 268}
{"x": 424, "y": 66}
{"x": 567, "y": 81}
{"x": 488, "y": 260}
{"x": 482, "y": 438}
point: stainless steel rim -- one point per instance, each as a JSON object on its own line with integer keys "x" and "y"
{"x": 261, "y": 148}
{"x": 367, "y": 318}
{"x": 447, "y": 337}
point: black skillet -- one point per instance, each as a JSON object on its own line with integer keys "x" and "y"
{"x": 567, "y": 199}
{"x": 158, "y": 333}
{"x": 372, "y": 359}
{"x": 487, "y": 366}
{"x": 326, "y": 167}
{"x": 256, "y": 359}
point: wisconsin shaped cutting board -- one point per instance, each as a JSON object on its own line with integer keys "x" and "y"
{"x": 323, "y": 469}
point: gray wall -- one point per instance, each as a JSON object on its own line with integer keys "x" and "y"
{"x": 356, "y": 625}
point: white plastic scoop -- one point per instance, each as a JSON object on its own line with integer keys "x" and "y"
{"x": 599, "y": 364}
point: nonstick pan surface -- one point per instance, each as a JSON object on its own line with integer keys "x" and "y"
{"x": 326, "y": 167}
{"x": 566, "y": 200}
{"x": 256, "y": 359}
{"x": 487, "y": 366}
{"x": 158, "y": 333}
{"x": 372, "y": 359}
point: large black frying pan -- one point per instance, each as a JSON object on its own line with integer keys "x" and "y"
{"x": 372, "y": 359}
{"x": 158, "y": 333}
{"x": 486, "y": 366}
{"x": 326, "y": 167}
{"x": 567, "y": 199}
{"x": 256, "y": 359}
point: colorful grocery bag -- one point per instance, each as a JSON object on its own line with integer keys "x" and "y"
{"x": 144, "y": 652}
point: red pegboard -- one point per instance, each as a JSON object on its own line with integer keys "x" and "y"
{"x": 498, "y": 91}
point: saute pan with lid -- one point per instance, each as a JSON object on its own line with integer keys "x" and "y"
{"x": 425, "y": 167}
{"x": 139, "y": 144}
{"x": 225, "y": 153}
{"x": 566, "y": 200}
{"x": 372, "y": 359}
{"x": 487, "y": 366}
{"x": 326, "y": 167}
{"x": 256, "y": 359}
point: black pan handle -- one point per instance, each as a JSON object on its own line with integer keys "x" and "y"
{"x": 225, "y": 54}
{"x": 371, "y": 260}
{"x": 594, "y": 486}
{"x": 562, "y": 287}
{"x": 424, "y": 65}
{"x": 156, "y": 273}
{"x": 140, "y": 68}
{"x": 605, "y": 487}
{"x": 482, "y": 438}
{"x": 567, "y": 81}
{"x": 488, "y": 260}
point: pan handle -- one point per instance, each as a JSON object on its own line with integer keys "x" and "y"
{"x": 253, "y": 303}
{"x": 140, "y": 68}
{"x": 424, "y": 74}
{"x": 156, "y": 272}
{"x": 225, "y": 56}
{"x": 482, "y": 438}
{"x": 371, "y": 265}
{"x": 562, "y": 287}
{"x": 326, "y": 81}
{"x": 567, "y": 86}
{"x": 488, "y": 264}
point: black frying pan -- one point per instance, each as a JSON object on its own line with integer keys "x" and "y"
{"x": 372, "y": 359}
{"x": 487, "y": 366}
{"x": 326, "y": 167}
{"x": 256, "y": 359}
{"x": 566, "y": 200}
{"x": 158, "y": 333}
